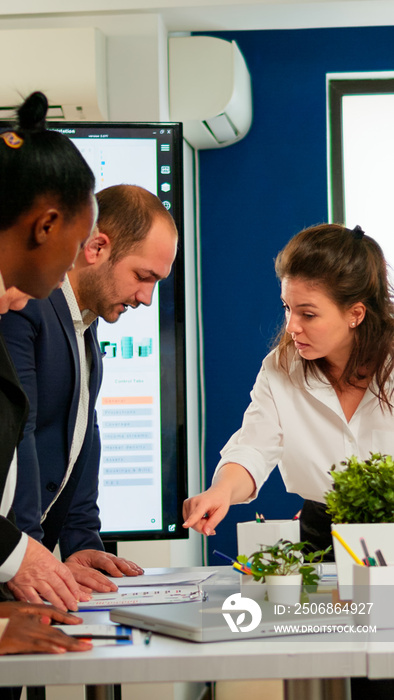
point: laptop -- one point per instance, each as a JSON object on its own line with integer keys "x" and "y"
{"x": 207, "y": 621}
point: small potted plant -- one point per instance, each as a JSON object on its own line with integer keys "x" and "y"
{"x": 284, "y": 568}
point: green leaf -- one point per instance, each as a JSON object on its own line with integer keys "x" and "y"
{"x": 242, "y": 559}
{"x": 284, "y": 558}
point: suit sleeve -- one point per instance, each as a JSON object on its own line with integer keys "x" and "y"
{"x": 82, "y": 524}
{"x": 12, "y": 563}
{"x": 20, "y": 332}
{"x": 9, "y": 538}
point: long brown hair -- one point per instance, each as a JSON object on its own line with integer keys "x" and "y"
{"x": 351, "y": 268}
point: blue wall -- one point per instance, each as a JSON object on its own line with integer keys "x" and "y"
{"x": 255, "y": 195}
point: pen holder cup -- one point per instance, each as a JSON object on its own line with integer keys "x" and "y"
{"x": 251, "y": 535}
{"x": 376, "y": 535}
{"x": 373, "y": 595}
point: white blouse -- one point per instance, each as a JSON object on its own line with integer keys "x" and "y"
{"x": 301, "y": 428}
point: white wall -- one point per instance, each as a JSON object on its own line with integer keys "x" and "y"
{"x": 211, "y": 15}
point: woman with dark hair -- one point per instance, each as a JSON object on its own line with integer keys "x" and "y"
{"x": 326, "y": 390}
{"x": 47, "y": 205}
{"x": 47, "y": 212}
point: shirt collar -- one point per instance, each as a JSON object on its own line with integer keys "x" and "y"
{"x": 81, "y": 319}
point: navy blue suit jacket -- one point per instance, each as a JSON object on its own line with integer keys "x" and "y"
{"x": 43, "y": 346}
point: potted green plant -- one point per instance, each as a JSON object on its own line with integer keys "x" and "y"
{"x": 362, "y": 492}
{"x": 361, "y": 505}
{"x": 284, "y": 565}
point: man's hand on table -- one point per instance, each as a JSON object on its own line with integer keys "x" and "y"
{"x": 41, "y": 575}
{"x": 84, "y": 565}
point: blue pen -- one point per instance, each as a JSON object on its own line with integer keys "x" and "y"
{"x": 229, "y": 559}
{"x": 224, "y": 556}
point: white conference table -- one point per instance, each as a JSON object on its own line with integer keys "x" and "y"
{"x": 294, "y": 659}
{"x": 380, "y": 655}
{"x": 166, "y": 659}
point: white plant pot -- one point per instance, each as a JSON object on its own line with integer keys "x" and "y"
{"x": 257, "y": 590}
{"x": 284, "y": 589}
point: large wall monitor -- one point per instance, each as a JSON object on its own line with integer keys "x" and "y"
{"x": 141, "y": 406}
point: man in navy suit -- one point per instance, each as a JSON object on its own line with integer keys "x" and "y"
{"x": 53, "y": 344}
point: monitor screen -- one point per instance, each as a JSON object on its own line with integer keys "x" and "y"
{"x": 141, "y": 405}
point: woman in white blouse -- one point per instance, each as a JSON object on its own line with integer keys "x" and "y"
{"x": 325, "y": 391}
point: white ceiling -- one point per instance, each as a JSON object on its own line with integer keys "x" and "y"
{"x": 216, "y": 15}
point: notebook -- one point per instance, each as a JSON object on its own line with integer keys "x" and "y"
{"x": 209, "y": 622}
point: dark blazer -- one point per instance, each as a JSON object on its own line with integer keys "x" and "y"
{"x": 13, "y": 412}
{"x": 43, "y": 346}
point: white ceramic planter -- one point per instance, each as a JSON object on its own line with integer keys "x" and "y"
{"x": 257, "y": 590}
{"x": 284, "y": 589}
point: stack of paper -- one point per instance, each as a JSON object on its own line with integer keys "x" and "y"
{"x": 148, "y": 588}
{"x": 327, "y": 571}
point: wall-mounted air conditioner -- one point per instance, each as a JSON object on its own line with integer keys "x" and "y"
{"x": 210, "y": 90}
{"x": 68, "y": 65}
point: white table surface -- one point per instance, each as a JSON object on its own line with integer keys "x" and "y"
{"x": 167, "y": 659}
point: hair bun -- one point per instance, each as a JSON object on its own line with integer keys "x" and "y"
{"x": 32, "y": 113}
{"x": 358, "y": 233}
